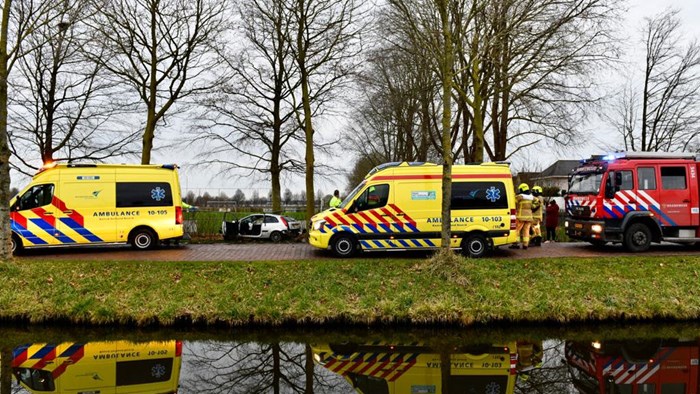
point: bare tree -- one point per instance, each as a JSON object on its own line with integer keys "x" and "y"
{"x": 60, "y": 106}
{"x": 165, "y": 50}
{"x": 18, "y": 20}
{"x": 253, "y": 114}
{"x": 325, "y": 43}
{"x": 670, "y": 100}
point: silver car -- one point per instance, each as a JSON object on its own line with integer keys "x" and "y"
{"x": 261, "y": 225}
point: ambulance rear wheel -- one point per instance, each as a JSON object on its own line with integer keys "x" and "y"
{"x": 143, "y": 239}
{"x": 637, "y": 237}
{"x": 475, "y": 246}
{"x": 344, "y": 245}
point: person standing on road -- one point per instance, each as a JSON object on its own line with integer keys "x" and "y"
{"x": 335, "y": 200}
{"x": 552, "y": 221}
{"x": 523, "y": 215}
{"x": 537, "y": 211}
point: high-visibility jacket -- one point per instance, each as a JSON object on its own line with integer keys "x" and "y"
{"x": 335, "y": 201}
{"x": 537, "y": 208}
{"x": 523, "y": 207}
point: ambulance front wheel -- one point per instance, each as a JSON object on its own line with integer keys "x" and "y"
{"x": 475, "y": 246}
{"x": 143, "y": 239}
{"x": 344, "y": 245}
{"x": 16, "y": 244}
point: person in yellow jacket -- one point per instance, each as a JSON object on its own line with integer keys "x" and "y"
{"x": 523, "y": 215}
{"x": 537, "y": 209}
{"x": 335, "y": 200}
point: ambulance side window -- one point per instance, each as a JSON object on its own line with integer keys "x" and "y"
{"x": 478, "y": 195}
{"x": 35, "y": 379}
{"x": 144, "y": 194}
{"x": 375, "y": 196}
{"x": 646, "y": 176}
{"x": 37, "y": 196}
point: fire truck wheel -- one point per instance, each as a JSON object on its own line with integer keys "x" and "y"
{"x": 344, "y": 245}
{"x": 637, "y": 237}
{"x": 475, "y": 246}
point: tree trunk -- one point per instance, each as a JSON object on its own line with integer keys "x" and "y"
{"x": 306, "y": 103}
{"x": 447, "y": 60}
{"x": 309, "y": 370}
{"x": 5, "y": 231}
{"x": 150, "y": 130}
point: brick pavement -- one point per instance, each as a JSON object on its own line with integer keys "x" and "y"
{"x": 259, "y": 251}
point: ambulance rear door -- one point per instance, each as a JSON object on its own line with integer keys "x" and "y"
{"x": 86, "y": 205}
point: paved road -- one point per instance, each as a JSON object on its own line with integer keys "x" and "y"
{"x": 258, "y": 251}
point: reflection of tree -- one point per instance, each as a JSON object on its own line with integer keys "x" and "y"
{"x": 5, "y": 370}
{"x": 253, "y": 368}
{"x": 551, "y": 377}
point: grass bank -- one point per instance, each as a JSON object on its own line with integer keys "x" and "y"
{"x": 361, "y": 292}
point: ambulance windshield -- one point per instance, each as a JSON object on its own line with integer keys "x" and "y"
{"x": 585, "y": 183}
{"x": 352, "y": 195}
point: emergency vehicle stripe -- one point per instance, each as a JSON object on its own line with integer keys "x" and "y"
{"x": 26, "y": 234}
{"x": 41, "y": 213}
{"x": 378, "y": 216}
{"x": 51, "y": 230}
{"x": 58, "y": 203}
{"x": 438, "y": 176}
{"x": 429, "y": 242}
{"x": 19, "y": 355}
{"x": 353, "y": 217}
{"x": 19, "y": 219}
{"x": 75, "y": 226}
{"x": 367, "y": 218}
{"x": 404, "y": 243}
{"x": 405, "y": 215}
{"x": 365, "y": 245}
{"x": 372, "y": 227}
{"x": 399, "y": 227}
{"x": 340, "y": 219}
{"x": 74, "y": 353}
{"x": 46, "y": 353}
{"x": 385, "y": 226}
{"x": 330, "y": 222}
{"x": 359, "y": 228}
{"x": 391, "y": 215}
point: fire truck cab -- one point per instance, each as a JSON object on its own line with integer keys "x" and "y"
{"x": 635, "y": 198}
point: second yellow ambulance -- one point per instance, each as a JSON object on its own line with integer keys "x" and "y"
{"x": 398, "y": 206}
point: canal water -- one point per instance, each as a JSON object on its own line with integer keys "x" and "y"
{"x": 631, "y": 358}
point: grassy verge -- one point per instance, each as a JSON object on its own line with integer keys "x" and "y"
{"x": 362, "y": 292}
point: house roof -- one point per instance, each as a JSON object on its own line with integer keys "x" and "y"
{"x": 560, "y": 168}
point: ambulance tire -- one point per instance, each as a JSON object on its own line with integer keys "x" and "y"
{"x": 17, "y": 247}
{"x": 475, "y": 246}
{"x": 637, "y": 237}
{"x": 344, "y": 245}
{"x": 143, "y": 239}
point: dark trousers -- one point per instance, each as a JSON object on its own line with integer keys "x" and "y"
{"x": 551, "y": 233}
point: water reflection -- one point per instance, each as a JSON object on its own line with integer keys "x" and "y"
{"x": 590, "y": 360}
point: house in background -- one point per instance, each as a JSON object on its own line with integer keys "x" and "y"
{"x": 556, "y": 175}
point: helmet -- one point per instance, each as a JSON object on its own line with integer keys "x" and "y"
{"x": 523, "y": 188}
{"x": 536, "y": 190}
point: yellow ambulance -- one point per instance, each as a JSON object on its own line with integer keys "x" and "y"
{"x": 398, "y": 369}
{"x": 398, "y": 206}
{"x": 92, "y": 204}
{"x": 99, "y": 367}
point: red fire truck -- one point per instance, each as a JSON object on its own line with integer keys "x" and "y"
{"x": 635, "y": 198}
{"x": 654, "y": 366}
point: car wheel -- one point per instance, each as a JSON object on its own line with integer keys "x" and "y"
{"x": 143, "y": 239}
{"x": 637, "y": 238}
{"x": 344, "y": 245}
{"x": 475, "y": 246}
{"x": 276, "y": 236}
{"x": 16, "y": 245}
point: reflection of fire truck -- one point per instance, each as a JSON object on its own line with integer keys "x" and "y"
{"x": 635, "y": 199}
{"x": 99, "y": 367}
{"x": 634, "y": 367}
{"x": 384, "y": 369}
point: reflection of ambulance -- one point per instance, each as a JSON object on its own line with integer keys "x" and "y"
{"x": 385, "y": 369}
{"x": 99, "y": 367}
{"x": 74, "y": 204}
{"x": 398, "y": 206}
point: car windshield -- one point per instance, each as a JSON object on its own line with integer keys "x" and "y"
{"x": 586, "y": 183}
{"x": 351, "y": 196}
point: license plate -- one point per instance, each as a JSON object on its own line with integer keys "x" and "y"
{"x": 578, "y": 225}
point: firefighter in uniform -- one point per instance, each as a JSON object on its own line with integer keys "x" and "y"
{"x": 537, "y": 209}
{"x": 523, "y": 215}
